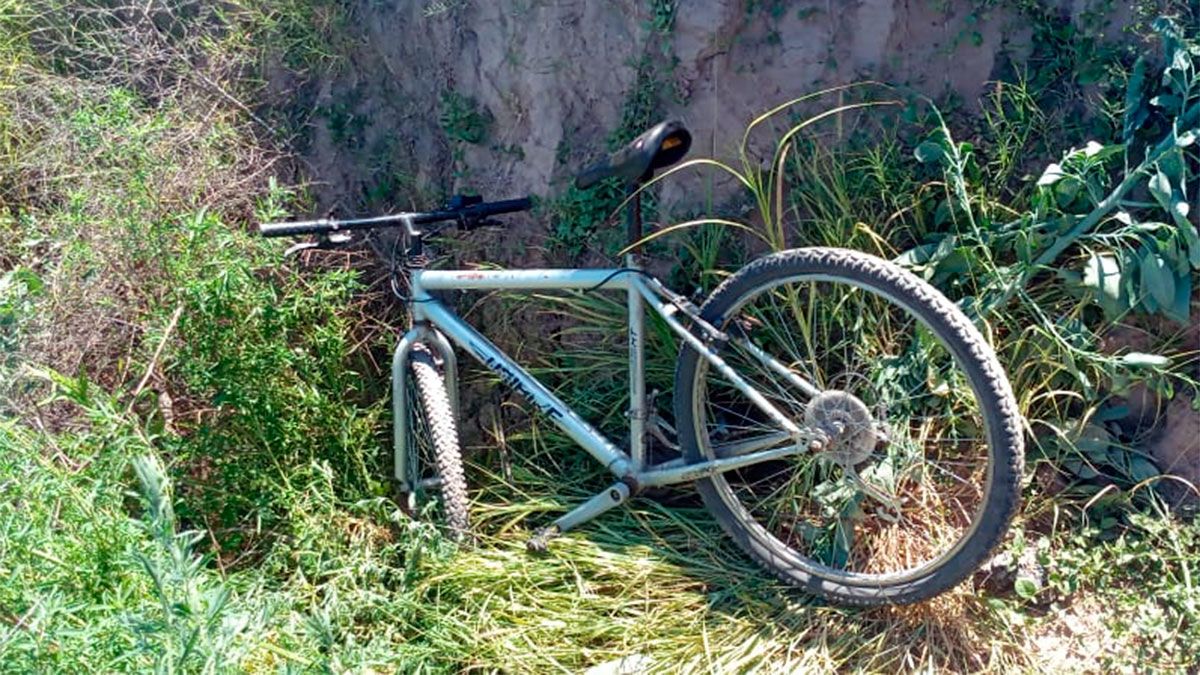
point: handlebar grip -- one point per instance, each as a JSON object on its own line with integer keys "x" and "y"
{"x": 479, "y": 215}
{"x": 506, "y": 206}
{"x": 322, "y": 226}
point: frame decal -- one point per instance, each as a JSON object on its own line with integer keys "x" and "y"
{"x": 509, "y": 378}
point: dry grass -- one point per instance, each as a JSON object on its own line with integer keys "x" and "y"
{"x": 118, "y": 120}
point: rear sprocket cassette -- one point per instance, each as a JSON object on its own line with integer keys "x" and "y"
{"x": 847, "y": 424}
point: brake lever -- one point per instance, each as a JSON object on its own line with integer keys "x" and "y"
{"x": 328, "y": 241}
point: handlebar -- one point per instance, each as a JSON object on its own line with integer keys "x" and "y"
{"x": 467, "y": 217}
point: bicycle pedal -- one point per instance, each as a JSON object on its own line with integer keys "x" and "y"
{"x": 539, "y": 543}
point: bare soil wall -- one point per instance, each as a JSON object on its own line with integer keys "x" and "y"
{"x": 554, "y": 76}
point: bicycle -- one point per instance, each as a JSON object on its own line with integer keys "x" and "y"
{"x": 844, "y": 422}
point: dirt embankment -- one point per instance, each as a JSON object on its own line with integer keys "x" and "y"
{"x": 554, "y": 77}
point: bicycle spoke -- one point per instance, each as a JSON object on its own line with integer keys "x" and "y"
{"x": 899, "y": 506}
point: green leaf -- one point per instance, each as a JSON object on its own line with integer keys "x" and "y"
{"x": 1099, "y": 151}
{"x": 1093, "y": 442}
{"x": 916, "y": 256}
{"x": 1080, "y": 468}
{"x": 957, "y": 262}
{"x": 1051, "y": 175}
{"x": 1171, "y": 164}
{"x": 21, "y": 280}
{"x": 1170, "y": 248}
{"x": 1175, "y": 73}
{"x": 1141, "y": 359}
{"x": 1166, "y": 101}
{"x": 1168, "y": 197}
{"x": 1160, "y": 187}
{"x": 945, "y": 248}
{"x": 1157, "y": 279}
{"x": 1025, "y": 588}
{"x": 1193, "y": 244}
{"x": 1102, "y": 274}
{"x": 1180, "y": 308}
{"x": 1109, "y": 413}
{"x": 1171, "y": 197}
{"x": 1141, "y": 469}
{"x": 1148, "y": 304}
{"x": 929, "y": 152}
{"x": 944, "y": 213}
{"x": 1135, "y": 95}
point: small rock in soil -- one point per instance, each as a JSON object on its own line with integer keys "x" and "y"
{"x": 1175, "y": 448}
{"x": 999, "y": 576}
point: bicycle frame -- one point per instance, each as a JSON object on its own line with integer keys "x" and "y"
{"x": 432, "y": 319}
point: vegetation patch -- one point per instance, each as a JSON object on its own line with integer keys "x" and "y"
{"x": 461, "y": 118}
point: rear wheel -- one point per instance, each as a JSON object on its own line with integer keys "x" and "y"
{"x": 433, "y": 446}
{"x": 919, "y": 475}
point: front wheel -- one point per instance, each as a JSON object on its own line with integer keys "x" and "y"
{"x": 433, "y": 441}
{"x": 919, "y": 474}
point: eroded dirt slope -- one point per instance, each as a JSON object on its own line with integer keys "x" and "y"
{"x": 554, "y": 77}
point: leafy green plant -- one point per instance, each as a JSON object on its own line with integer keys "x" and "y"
{"x": 195, "y": 629}
{"x": 1130, "y": 255}
{"x": 579, "y": 214}
{"x": 1156, "y": 615}
{"x": 346, "y": 127}
{"x": 764, "y": 184}
{"x": 1077, "y": 195}
{"x": 461, "y": 118}
{"x": 18, "y": 289}
{"x": 662, "y": 16}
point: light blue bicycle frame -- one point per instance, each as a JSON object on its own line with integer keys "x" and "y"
{"x": 433, "y": 322}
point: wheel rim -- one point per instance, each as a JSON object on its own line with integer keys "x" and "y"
{"x": 421, "y": 449}
{"x": 936, "y": 471}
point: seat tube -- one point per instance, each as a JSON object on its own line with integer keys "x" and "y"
{"x": 638, "y": 414}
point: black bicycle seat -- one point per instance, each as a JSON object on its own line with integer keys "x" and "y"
{"x": 661, "y": 146}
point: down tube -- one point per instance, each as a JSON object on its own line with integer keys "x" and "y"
{"x": 519, "y": 379}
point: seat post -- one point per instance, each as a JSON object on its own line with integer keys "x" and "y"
{"x": 637, "y": 334}
{"x": 633, "y": 213}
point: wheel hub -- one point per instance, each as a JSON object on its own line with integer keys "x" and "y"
{"x": 846, "y": 422}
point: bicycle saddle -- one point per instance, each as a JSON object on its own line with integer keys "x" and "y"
{"x": 661, "y": 146}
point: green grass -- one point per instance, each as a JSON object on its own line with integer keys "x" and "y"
{"x": 194, "y": 449}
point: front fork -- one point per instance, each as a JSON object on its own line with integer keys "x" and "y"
{"x": 430, "y": 338}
